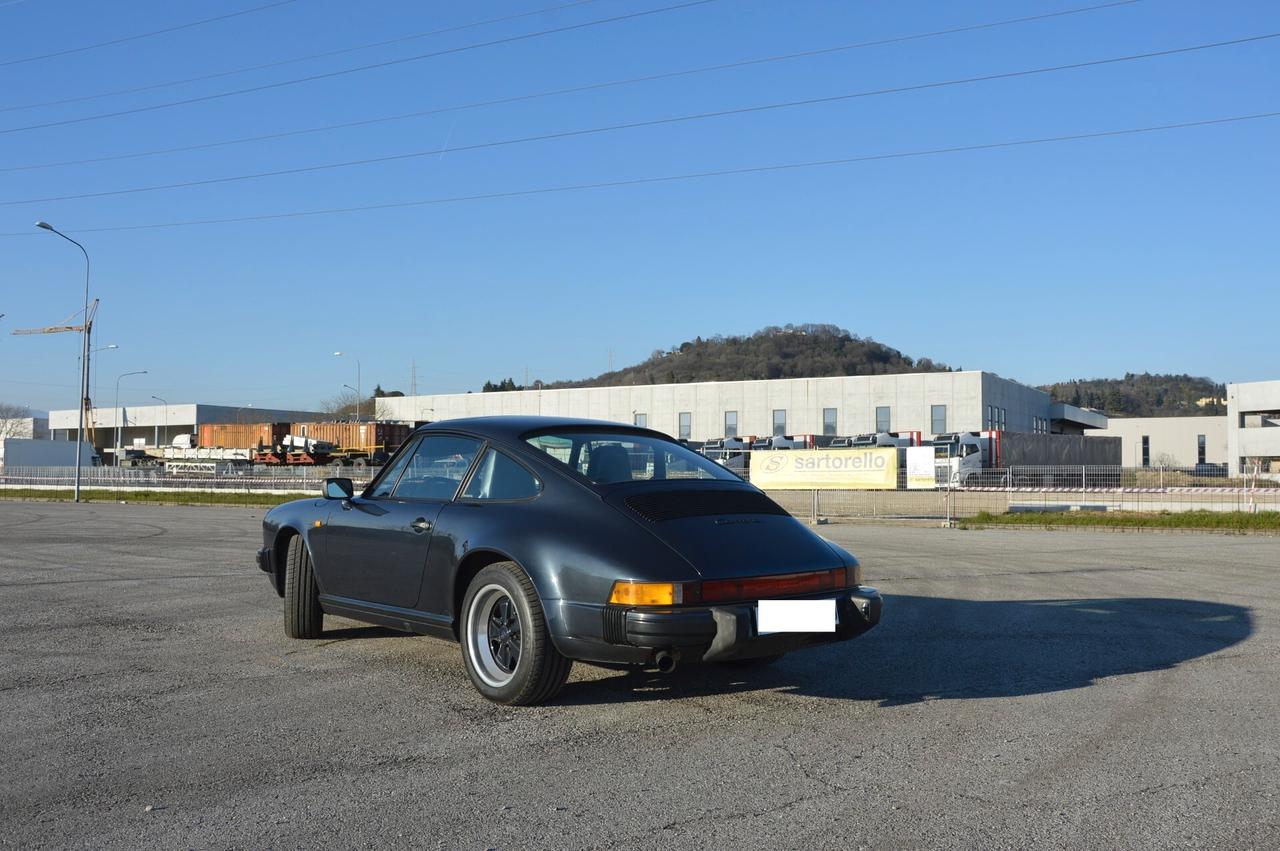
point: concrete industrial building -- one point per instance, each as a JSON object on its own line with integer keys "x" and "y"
{"x": 1169, "y": 441}
{"x": 1247, "y": 437}
{"x": 1253, "y": 425}
{"x": 930, "y": 403}
{"x": 156, "y": 425}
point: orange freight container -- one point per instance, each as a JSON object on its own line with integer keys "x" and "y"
{"x": 353, "y": 437}
{"x": 242, "y": 435}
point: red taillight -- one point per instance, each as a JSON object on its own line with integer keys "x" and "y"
{"x": 757, "y": 587}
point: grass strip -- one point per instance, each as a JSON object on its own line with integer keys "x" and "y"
{"x": 1218, "y": 520}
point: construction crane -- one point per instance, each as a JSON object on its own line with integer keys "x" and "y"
{"x": 87, "y": 327}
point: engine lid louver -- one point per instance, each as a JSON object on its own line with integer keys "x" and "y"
{"x": 672, "y": 505}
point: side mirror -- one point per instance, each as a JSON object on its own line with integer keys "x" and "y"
{"x": 338, "y": 488}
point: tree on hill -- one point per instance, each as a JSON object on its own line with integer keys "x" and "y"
{"x": 1144, "y": 395}
{"x": 789, "y": 351}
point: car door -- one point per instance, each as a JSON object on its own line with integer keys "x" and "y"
{"x": 376, "y": 545}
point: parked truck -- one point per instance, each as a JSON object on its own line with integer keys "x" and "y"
{"x": 991, "y": 458}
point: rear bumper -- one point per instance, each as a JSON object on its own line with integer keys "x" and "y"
{"x": 705, "y": 633}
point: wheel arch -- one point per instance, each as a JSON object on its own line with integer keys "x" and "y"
{"x": 471, "y": 565}
{"x": 280, "y": 553}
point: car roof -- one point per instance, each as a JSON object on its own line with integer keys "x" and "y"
{"x": 512, "y": 428}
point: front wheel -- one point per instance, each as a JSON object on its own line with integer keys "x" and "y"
{"x": 303, "y": 617}
{"x": 506, "y": 647}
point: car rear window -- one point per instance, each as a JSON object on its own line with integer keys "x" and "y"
{"x": 607, "y": 458}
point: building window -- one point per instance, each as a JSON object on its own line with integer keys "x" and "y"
{"x": 730, "y": 423}
{"x": 938, "y": 418}
{"x": 882, "y": 418}
{"x": 1200, "y": 449}
{"x": 686, "y": 425}
{"x": 779, "y": 423}
{"x": 642, "y": 420}
{"x": 1146, "y": 451}
{"x": 829, "y": 422}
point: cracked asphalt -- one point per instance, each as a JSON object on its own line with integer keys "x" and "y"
{"x": 1055, "y": 689}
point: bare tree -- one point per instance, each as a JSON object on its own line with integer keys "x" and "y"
{"x": 13, "y": 420}
{"x": 342, "y": 405}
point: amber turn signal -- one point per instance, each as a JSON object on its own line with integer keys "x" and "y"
{"x": 627, "y": 593}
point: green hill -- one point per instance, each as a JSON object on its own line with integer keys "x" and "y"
{"x": 792, "y": 351}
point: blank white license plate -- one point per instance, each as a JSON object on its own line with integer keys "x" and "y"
{"x": 795, "y": 616}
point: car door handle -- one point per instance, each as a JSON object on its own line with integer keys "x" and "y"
{"x": 422, "y": 524}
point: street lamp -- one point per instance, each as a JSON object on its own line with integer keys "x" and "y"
{"x": 166, "y": 417}
{"x": 120, "y": 414}
{"x": 84, "y": 347}
{"x": 357, "y": 387}
{"x": 105, "y": 348}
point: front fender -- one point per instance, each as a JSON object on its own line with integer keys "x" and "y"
{"x": 282, "y": 523}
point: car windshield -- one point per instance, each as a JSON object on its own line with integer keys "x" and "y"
{"x": 608, "y": 458}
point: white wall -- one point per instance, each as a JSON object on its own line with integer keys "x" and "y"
{"x": 1253, "y": 419}
{"x": 1173, "y": 440}
{"x": 855, "y": 398}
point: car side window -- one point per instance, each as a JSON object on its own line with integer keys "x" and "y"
{"x": 437, "y": 467}
{"x": 391, "y": 475}
{"x": 500, "y": 477}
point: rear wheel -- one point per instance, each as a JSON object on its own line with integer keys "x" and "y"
{"x": 506, "y": 647}
{"x": 303, "y": 617}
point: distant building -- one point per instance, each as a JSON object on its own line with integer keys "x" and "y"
{"x": 1169, "y": 441}
{"x": 157, "y": 425}
{"x": 1253, "y": 425}
{"x": 931, "y": 403}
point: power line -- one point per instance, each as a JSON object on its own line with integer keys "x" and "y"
{"x": 359, "y": 68}
{"x": 571, "y": 90}
{"x": 673, "y": 178}
{"x": 296, "y": 59}
{"x": 139, "y": 36}
{"x": 638, "y": 124}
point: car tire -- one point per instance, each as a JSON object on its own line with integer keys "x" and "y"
{"x": 303, "y": 617}
{"x": 506, "y": 647}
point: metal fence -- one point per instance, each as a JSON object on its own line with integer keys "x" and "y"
{"x": 954, "y": 496}
{"x": 214, "y": 483}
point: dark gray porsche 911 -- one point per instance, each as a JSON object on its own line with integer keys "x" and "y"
{"x": 535, "y": 541}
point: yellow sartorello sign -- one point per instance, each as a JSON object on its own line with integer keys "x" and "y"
{"x": 825, "y": 469}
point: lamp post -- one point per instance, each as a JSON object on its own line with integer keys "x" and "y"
{"x": 84, "y": 348}
{"x": 166, "y": 418}
{"x": 120, "y": 414}
{"x": 357, "y": 387}
{"x": 94, "y": 378}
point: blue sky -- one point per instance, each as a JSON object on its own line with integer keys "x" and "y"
{"x": 1153, "y": 252}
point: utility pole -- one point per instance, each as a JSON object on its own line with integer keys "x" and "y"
{"x": 119, "y": 415}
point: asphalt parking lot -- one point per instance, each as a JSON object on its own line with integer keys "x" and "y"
{"x": 1025, "y": 688}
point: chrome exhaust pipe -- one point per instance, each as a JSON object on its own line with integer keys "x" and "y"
{"x": 666, "y": 660}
